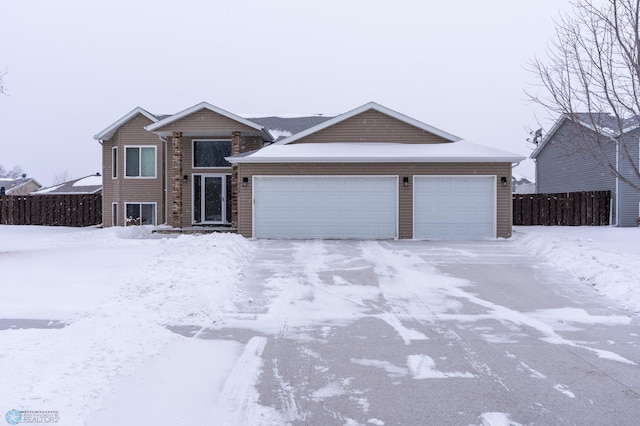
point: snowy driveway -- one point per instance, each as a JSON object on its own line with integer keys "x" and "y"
{"x": 424, "y": 333}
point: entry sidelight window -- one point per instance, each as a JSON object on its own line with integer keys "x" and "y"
{"x": 211, "y": 153}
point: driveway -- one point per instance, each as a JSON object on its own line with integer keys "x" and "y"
{"x": 426, "y": 333}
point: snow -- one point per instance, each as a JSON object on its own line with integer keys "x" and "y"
{"x": 118, "y": 291}
{"x": 93, "y": 180}
{"x": 460, "y": 151}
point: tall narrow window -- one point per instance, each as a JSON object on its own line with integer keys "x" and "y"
{"x": 140, "y": 161}
{"x": 114, "y": 214}
{"x": 114, "y": 162}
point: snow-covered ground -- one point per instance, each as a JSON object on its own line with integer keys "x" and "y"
{"x": 115, "y": 291}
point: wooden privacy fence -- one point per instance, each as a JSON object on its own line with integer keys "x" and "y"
{"x": 564, "y": 209}
{"x": 51, "y": 210}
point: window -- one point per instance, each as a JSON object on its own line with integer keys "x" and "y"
{"x": 211, "y": 153}
{"x": 114, "y": 162}
{"x": 140, "y": 161}
{"x": 140, "y": 213}
{"x": 114, "y": 214}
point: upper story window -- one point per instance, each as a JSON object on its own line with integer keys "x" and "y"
{"x": 140, "y": 161}
{"x": 211, "y": 153}
{"x": 114, "y": 162}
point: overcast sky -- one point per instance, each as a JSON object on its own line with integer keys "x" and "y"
{"x": 75, "y": 67}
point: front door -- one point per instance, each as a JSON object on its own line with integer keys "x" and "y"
{"x": 211, "y": 199}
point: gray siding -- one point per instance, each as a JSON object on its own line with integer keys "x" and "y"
{"x": 629, "y": 197}
{"x": 405, "y": 214}
{"x": 206, "y": 122}
{"x": 372, "y": 126}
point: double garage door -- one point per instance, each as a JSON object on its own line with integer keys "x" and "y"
{"x": 367, "y": 207}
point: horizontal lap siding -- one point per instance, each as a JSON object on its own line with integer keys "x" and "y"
{"x": 372, "y": 126}
{"x": 121, "y": 189}
{"x": 405, "y": 214}
{"x": 205, "y": 122}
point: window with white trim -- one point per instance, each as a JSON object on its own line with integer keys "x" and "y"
{"x": 114, "y": 214}
{"x": 140, "y": 161}
{"x": 211, "y": 153}
{"x": 140, "y": 213}
{"x": 114, "y": 162}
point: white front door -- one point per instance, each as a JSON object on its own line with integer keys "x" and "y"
{"x": 211, "y": 198}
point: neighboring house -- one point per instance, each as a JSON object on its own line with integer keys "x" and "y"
{"x": 522, "y": 185}
{"x": 91, "y": 184}
{"x": 19, "y": 186}
{"x": 368, "y": 173}
{"x": 563, "y": 163}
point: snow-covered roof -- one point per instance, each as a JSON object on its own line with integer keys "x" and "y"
{"x": 12, "y": 185}
{"x": 85, "y": 185}
{"x": 360, "y": 152}
{"x": 108, "y": 133}
{"x": 366, "y": 107}
{"x": 602, "y": 123}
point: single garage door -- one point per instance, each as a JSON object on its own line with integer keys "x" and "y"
{"x": 362, "y": 207}
{"x": 454, "y": 207}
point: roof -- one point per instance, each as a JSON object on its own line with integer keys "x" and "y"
{"x": 374, "y": 152}
{"x": 603, "y": 123}
{"x": 85, "y": 185}
{"x": 282, "y": 127}
{"x": 12, "y": 185}
{"x": 108, "y": 133}
{"x": 366, "y": 107}
{"x": 205, "y": 105}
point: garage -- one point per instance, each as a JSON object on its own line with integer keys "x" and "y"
{"x": 340, "y": 207}
{"x": 451, "y": 207}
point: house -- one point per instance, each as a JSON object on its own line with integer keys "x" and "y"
{"x": 18, "y": 186}
{"x": 91, "y": 184}
{"x": 565, "y": 162}
{"x": 368, "y": 173}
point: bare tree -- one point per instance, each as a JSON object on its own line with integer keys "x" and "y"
{"x": 591, "y": 75}
{"x": 62, "y": 177}
{"x": 15, "y": 172}
{"x": 2, "y": 85}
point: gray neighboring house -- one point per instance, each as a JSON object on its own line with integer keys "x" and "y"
{"x": 563, "y": 165}
{"x": 19, "y": 186}
{"x": 91, "y": 184}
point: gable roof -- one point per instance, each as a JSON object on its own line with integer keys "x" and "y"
{"x": 366, "y": 107}
{"x": 281, "y": 127}
{"x": 85, "y": 185}
{"x": 603, "y": 123}
{"x": 108, "y": 133}
{"x": 205, "y": 105}
{"x": 12, "y": 185}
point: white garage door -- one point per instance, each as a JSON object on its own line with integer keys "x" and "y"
{"x": 325, "y": 206}
{"x": 458, "y": 207}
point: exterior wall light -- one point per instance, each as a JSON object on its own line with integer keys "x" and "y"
{"x": 503, "y": 180}
{"x": 185, "y": 178}
{"x": 245, "y": 181}
{"x": 405, "y": 181}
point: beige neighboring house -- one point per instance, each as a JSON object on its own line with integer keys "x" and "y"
{"x": 370, "y": 173}
{"x": 19, "y": 186}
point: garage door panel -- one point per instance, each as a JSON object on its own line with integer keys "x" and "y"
{"x": 461, "y": 207}
{"x": 325, "y": 207}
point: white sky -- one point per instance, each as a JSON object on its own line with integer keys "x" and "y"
{"x": 74, "y": 67}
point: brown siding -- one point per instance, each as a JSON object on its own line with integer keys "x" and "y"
{"x": 372, "y": 126}
{"x": 121, "y": 189}
{"x": 204, "y": 122}
{"x": 405, "y": 214}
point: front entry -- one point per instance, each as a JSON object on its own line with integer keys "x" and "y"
{"x": 211, "y": 199}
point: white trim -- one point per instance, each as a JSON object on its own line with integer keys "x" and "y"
{"x": 114, "y": 213}
{"x": 223, "y": 198}
{"x": 193, "y": 153}
{"x": 204, "y": 105}
{"x": 114, "y": 162}
{"x": 253, "y": 194}
{"x": 155, "y": 162}
{"x": 494, "y": 178}
{"x": 108, "y": 133}
{"x": 140, "y": 203}
{"x": 366, "y": 107}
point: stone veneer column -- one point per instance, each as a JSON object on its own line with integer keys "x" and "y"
{"x": 235, "y": 150}
{"x": 175, "y": 187}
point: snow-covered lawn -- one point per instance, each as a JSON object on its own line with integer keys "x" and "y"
{"x": 116, "y": 290}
